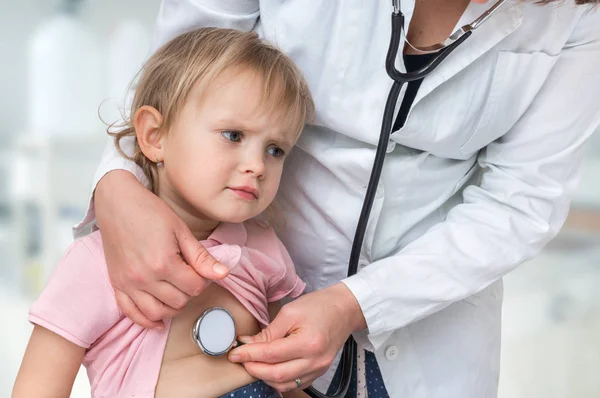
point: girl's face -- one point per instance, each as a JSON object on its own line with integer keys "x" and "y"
{"x": 223, "y": 156}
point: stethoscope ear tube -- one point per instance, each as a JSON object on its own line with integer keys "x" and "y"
{"x": 390, "y": 59}
{"x": 349, "y": 351}
{"x": 399, "y": 78}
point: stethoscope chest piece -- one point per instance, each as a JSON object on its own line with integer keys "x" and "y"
{"x": 214, "y": 331}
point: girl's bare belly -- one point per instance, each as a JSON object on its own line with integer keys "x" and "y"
{"x": 185, "y": 371}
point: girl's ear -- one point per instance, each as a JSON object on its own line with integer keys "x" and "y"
{"x": 147, "y": 122}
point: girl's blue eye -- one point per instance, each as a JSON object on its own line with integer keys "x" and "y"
{"x": 275, "y": 151}
{"x": 233, "y": 136}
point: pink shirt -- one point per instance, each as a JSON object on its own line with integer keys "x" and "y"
{"x": 122, "y": 358}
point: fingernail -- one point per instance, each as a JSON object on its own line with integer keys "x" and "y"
{"x": 220, "y": 269}
{"x": 234, "y": 358}
{"x": 245, "y": 339}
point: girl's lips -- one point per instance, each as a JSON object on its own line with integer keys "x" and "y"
{"x": 245, "y": 192}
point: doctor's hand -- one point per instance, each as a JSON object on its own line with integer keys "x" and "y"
{"x": 303, "y": 339}
{"x": 154, "y": 262}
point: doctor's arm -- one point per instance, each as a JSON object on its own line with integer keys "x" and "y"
{"x": 154, "y": 262}
{"x": 529, "y": 177}
{"x": 521, "y": 203}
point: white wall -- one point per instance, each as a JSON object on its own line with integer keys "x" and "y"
{"x": 18, "y": 21}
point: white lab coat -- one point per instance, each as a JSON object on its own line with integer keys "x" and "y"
{"x": 477, "y": 181}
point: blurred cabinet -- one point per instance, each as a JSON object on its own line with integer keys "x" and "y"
{"x": 7, "y": 262}
{"x": 551, "y": 310}
{"x": 588, "y": 191}
{"x": 50, "y": 192}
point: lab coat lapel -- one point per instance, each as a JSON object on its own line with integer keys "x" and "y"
{"x": 505, "y": 21}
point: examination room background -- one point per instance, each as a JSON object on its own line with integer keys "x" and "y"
{"x": 52, "y": 139}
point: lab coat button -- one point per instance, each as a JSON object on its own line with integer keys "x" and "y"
{"x": 390, "y": 146}
{"x": 362, "y": 265}
{"x": 391, "y": 353}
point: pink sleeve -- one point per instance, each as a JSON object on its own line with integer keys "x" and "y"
{"x": 78, "y": 302}
{"x": 288, "y": 284}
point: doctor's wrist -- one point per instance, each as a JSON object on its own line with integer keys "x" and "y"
{"x": 111, "y": 189}
{"x": 349, "y": 307}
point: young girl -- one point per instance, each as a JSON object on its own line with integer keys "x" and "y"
{"x": 215, "y": 113}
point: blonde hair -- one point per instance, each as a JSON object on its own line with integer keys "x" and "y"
{"x": 199, "y": 57}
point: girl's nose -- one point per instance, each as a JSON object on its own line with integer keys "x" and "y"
{"x": 254, "y": 164}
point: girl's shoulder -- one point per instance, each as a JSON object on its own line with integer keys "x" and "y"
{"x": 92, "y": 242}
{"x": 87, "y": 249}
{"x": 84, "y": 256}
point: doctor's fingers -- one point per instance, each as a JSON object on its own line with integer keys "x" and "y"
{"x": 282, "y": 376}
{"x": 169, "y": 268}
{"x": 169, "y": 295}
{"x": 131, "y": 311}
{"x": 172, "y": 285}
{"x": 151, "y": 307}
{"x": 280, "y": 359}
{"x": 280, "y": 349}
{"x": 196, "y": 255}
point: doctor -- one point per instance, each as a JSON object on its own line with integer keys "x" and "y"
{"x": 478, "y": 176}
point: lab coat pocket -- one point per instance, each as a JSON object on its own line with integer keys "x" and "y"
{"x": 517, "y": 79}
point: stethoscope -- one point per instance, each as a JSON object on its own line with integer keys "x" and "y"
{"x": 214, "y": 331}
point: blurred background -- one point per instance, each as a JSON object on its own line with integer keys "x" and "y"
{"x": 61, "y": 59}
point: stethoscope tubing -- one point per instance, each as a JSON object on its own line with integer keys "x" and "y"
{"x": 399, "y": 79}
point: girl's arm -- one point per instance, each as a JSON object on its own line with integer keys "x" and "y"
{"x": 49, "y": 366}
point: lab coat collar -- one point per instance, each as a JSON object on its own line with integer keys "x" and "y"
{"x": 505, "y": 21}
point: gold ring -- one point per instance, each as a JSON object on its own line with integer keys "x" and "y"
{"x": 298, "y": 382}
